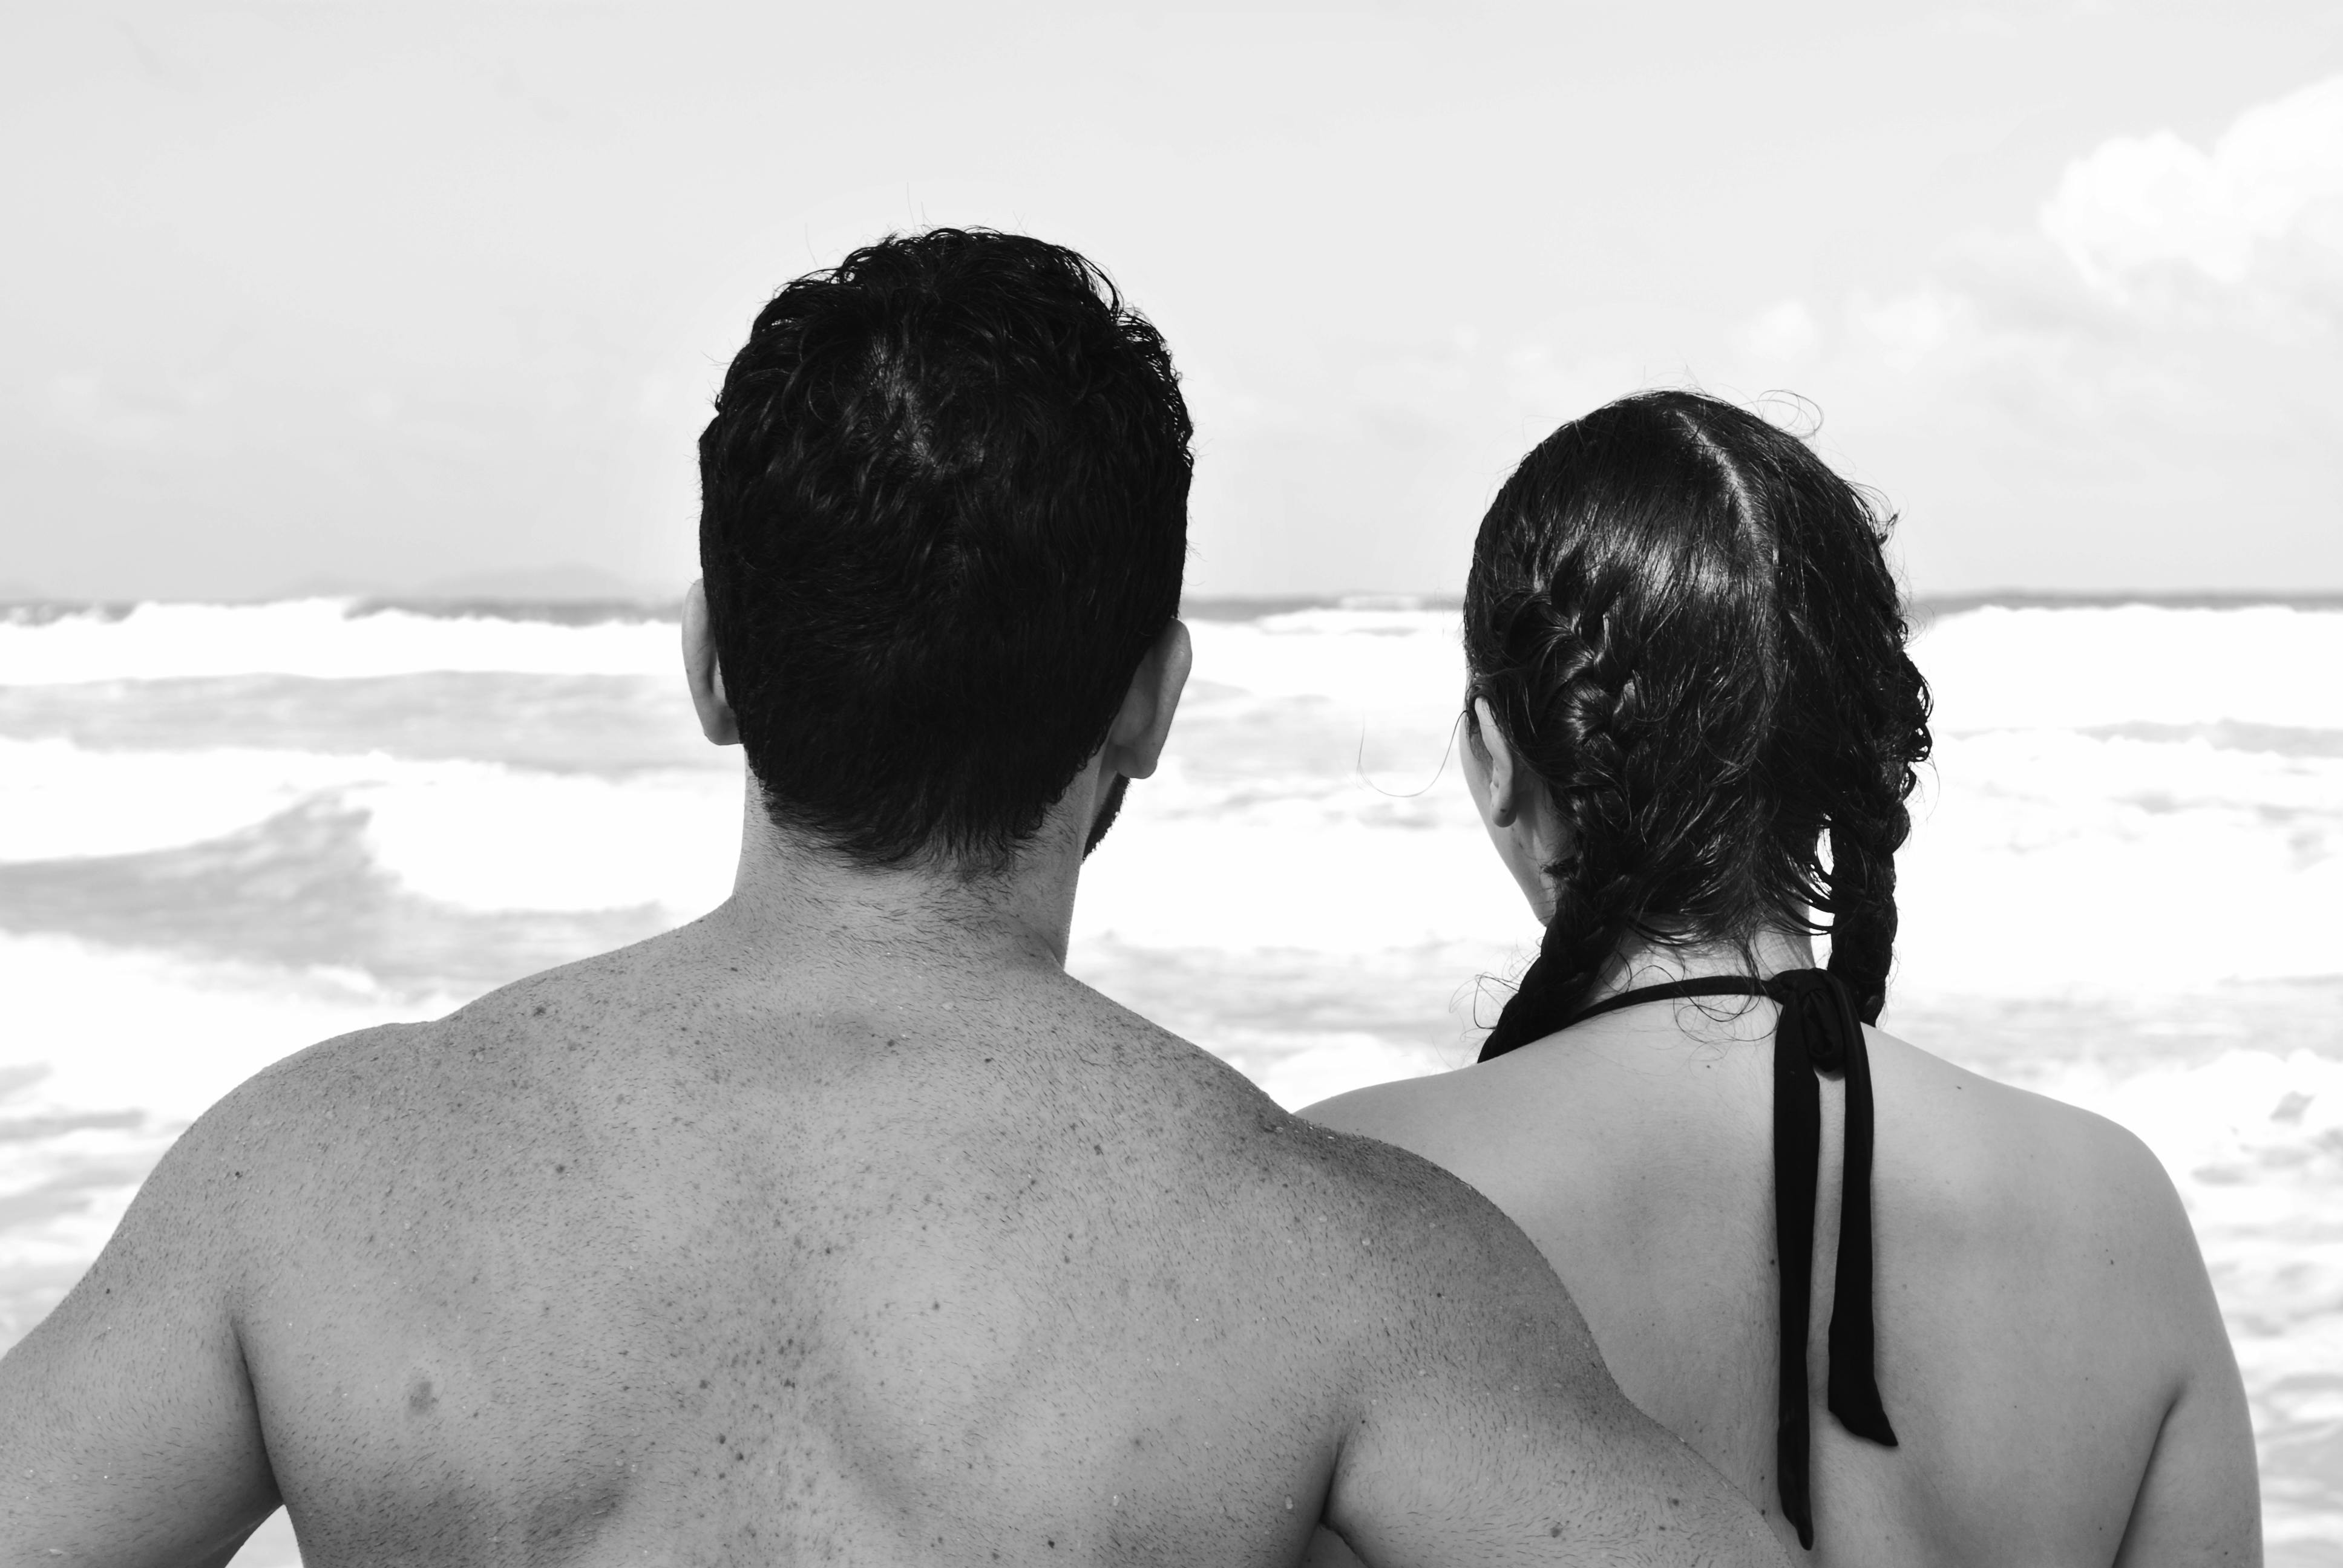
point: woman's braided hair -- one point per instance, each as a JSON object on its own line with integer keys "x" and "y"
{"x": 1685, "y": 625}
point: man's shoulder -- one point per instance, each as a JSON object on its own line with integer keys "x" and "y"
{"x": 225, "y": 1191}
{"x": 276, "y": 1125}
{"x": 1202, "y": 1103}
{"x": 1385, "y": 1182}
{"x": 321, "y": 1107}
{"x": 1375, "y": 1235}
{"x": 1422, "y": 1228}
{"x": 1352, "y": 1218}
{"x": 391, "y": 1066}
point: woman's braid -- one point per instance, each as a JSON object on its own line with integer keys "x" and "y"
{"x": 1882, "y": 735}
{"x": 1568, "y": 702}
{"x": 1687, "y": 628}
{"x": 1863, "y": 910}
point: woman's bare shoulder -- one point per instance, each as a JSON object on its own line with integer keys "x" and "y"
{"x": 1380, "y": 1110}
{"x": 2022, "y": 1173}
{"x": 1441, "y": 1116}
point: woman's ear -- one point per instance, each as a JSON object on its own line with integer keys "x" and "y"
{"x": 1504, "y": 772}
{"x": 1515, "y": 806}
{"x": 701, "y": 673}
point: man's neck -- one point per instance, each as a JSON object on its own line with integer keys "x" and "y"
{"x": 794, "y": 902}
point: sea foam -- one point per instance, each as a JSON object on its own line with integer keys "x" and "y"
{"x": 2122, "y": 886}
{"x": 470, "y": 835}
{"x": 2073, "y": 668}
{"x": 332, "y": 638}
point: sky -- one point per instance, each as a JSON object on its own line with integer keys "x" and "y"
{"x": 309, "y": 297}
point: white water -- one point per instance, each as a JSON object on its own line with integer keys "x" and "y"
{"x": 2129, "y": 848}
{"x": 319, "y": 638}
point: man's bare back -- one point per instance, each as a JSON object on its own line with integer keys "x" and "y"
{"x": 841, "y": 1225}
{"x": 674, "y": 1256}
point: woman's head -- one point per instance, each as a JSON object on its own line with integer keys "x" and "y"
{"x": 1683, "y": 626}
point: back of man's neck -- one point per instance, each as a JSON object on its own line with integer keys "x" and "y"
{"x": 794, "y": 901}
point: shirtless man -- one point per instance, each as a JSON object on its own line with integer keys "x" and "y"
{"x": 841, "y": 1224}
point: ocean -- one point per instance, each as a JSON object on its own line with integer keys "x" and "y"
{"x": 227, "y": 831}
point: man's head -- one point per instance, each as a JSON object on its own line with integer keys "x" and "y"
{"x": 944, "y": 519}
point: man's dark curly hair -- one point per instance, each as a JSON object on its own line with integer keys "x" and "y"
{"x": 943, "y": 516}
{"x": 1685, "y": 625}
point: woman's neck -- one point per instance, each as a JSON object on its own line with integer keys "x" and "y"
{"x": 1641, "y": 963}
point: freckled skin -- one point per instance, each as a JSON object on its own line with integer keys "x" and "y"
{"x": 838, "y": 1226}
{"x": 648, "y": 1260}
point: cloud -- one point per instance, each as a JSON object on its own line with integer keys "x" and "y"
{"x": 1785, "y": 334}
{"x": 2134, "y": 391}
{"x": 1907, "y": 328}
{"x": 2268, "y": 197}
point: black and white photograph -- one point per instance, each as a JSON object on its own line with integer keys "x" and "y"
{"x": 1312, "y": 784}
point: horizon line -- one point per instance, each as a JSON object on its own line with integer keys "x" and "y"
{"x": 20, "y": 608}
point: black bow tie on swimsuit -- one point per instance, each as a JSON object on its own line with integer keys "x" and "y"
{"x": 1817, "y": 1032}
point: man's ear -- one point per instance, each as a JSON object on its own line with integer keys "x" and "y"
{"x": 1134, "y": 742}
{"x": 1504, "y": 770}
{"x": 700, "y": 672}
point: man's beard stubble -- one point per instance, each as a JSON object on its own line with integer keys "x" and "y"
{"x": 1107, "y": 812}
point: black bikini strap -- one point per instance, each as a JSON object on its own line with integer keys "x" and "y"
{"x": 1707, "y": 985}
{"x": 1817, "y": 1032}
